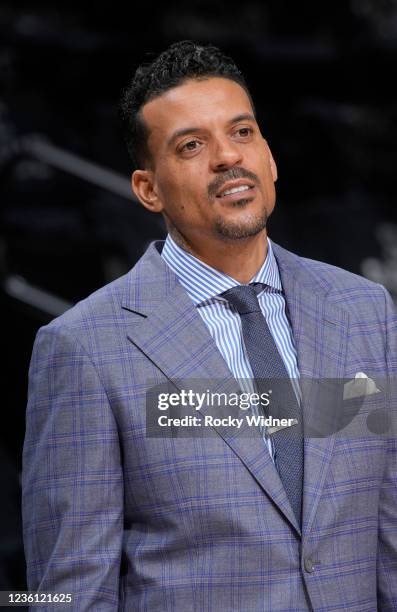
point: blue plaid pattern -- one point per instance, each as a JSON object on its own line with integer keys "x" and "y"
{"x": 127, "y": 522}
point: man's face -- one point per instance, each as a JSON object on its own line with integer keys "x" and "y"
{"x": 205, "y": 141}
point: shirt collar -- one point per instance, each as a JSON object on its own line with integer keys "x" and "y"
{"x": 203, "y": 282}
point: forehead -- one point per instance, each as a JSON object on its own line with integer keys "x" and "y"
{"x": 204, "y": 104}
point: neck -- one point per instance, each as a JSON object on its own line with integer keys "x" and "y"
{"x": 241, "y": 259}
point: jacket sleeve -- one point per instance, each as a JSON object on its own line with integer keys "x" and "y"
{"x": 387, "y": 534}
{"x": 72, "y": 484}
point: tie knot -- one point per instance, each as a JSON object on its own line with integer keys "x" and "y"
{"x": 243, "y": 297}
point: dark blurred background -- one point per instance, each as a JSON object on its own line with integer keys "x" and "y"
{"x": 321, "y": 74}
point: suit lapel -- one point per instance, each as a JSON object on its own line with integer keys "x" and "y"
{"x": 171, "y": 333}
{"x": 320, "y": 331}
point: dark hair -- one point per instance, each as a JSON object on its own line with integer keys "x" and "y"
{"x": 181, "y": 61}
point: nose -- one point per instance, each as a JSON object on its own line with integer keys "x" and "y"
{"x": 225, "y": 154}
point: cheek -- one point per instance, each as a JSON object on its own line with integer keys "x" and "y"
{"x": 266, "y": 175}
{"x": 183, "y": 191}
{"x": 174, "y": 196}
{"x": 190, "y": 190}
{"x": 169, "y": 189}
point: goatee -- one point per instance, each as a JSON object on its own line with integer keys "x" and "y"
{"x": 238, "y": 231}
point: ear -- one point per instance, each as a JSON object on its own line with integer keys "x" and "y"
{"x": 273, "y": 167}
{"x": 142, "y": 183}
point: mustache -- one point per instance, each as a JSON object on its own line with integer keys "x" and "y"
{"x": 229, "y": 175}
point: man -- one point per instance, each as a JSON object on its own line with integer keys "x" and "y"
{"x": 251, "y": 521}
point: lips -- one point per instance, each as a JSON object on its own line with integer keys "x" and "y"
{"x": 238, "y": 196}
{"x": 240, "y": 186}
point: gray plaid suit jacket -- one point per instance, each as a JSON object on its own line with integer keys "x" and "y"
{"x": 123, "y": 521}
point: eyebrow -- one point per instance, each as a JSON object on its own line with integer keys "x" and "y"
{"x": 192, "y": 130}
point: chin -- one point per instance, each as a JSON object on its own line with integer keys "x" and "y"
{"x": 239, "y": 230}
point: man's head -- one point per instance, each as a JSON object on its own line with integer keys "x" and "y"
{"x": 192, "y": 133}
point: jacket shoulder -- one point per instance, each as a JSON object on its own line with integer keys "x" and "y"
{"x": 100, "y": 307}
{"x": 330, "y": 278}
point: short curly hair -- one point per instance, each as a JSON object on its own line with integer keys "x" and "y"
{"x": 183, "y": 60}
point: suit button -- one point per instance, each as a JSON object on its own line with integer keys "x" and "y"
{"x": 309, "y": 565}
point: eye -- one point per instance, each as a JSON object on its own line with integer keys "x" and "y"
{"x": 245, "y": 131}
{"x": 190, "y": 146}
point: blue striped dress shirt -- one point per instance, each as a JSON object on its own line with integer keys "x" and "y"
{"x": 204, "y": 284}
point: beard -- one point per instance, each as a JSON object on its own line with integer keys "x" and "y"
{"x": 251, "y": 226}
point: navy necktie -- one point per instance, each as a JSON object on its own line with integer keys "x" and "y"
{"x": 266, "y": 363}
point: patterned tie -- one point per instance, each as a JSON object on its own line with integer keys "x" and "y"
{"x": 266, "y": 363}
